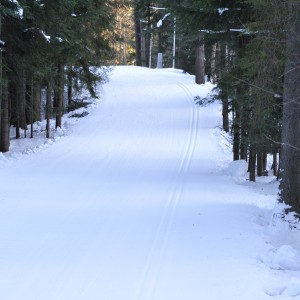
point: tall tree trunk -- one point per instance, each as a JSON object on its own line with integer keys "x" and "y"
{"x": 48, "y": 108}
{"x": 70, "y": 88}
{"x": 290, "y": 187}
{"x": 252, "y": 161}
{"x": 31, "y": 110}
{"x": 36, "y": 98}
{"x": 224, "y": 96}
{"x": 236, "y": 132}
{"x": 265, "y": 162}
{"x": 17, "y": 122}
{"x": 21, "y": 102}
{"x": 243, "y": 146}
{"x": 259, "y": 165}
{"x": 28, "y": 101}
{"x": 236, "y": 143}
{"x": 4, "y": 140}
{"x": 213, "y": 63}
{"x": 143, "y": 50}
{"x": 225, "y": 112}
{"x": 29, "y": 106}
{"x": 200, "y": 60}
{"x": 279, "y": 165}
{"x": 244, "y": 137}
{"x": 221, "y": 51}
{"x": 275, "y": 163}
{"x": 59, "y": 96}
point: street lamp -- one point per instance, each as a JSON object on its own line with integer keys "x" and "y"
{"x": 159, "y": 24}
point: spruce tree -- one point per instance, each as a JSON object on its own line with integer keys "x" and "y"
{"x": 43, "y": 39}
{"x": 290, "y": 189}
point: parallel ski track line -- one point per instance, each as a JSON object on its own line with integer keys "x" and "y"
{"x": 157, "y": 251}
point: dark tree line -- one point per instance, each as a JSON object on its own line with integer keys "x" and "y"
{"x": 252, "y": 51}
{"x": 50, "y": 45}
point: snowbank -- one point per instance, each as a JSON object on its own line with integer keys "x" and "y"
{"x": 237, "y": 169}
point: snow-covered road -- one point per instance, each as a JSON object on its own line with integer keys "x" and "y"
{"x": 134, "y": 204}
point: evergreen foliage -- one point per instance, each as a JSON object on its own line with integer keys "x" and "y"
{"x": 257, "y": 72}
{"x": 44, "y": 41}
{"x": 245, "y": 56}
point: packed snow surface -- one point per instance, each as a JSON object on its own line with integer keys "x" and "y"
{"x": 139, "y": 201}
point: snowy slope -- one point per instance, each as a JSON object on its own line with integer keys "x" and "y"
{"x": 137, "y": 202}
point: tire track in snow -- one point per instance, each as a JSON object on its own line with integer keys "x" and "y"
{"x": 147, "y": 286}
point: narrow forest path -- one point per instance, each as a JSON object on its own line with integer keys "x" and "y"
{"x": 134, "y": 204}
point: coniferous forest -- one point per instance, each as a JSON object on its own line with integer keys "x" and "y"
{"x": 249, "y": 48}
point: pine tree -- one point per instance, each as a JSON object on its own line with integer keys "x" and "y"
{"x": 214, "y": 18}
{"x": 261, "y": 69}
{"x": 290, "y": 191}
{"x": 43, "y": 39}
{"x": 247, "y": 82}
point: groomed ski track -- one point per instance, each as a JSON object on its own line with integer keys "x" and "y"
{"x": 132, "y": 204}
